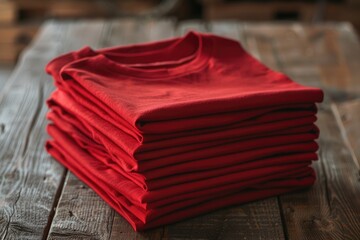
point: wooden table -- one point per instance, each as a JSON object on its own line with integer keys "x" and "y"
{"x": 41, "y": 199}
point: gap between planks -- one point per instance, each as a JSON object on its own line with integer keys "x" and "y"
{"x": 55, "y": 204}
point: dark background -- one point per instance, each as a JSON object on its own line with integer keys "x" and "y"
{"x": 20, "y": 19}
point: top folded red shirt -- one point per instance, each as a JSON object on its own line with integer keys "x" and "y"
{"x": 180, "y": 78}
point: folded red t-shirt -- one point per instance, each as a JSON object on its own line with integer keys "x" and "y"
{"x": 211, "y": 75}
{"x": 75, "y": 125}
{"x": 172, "y": 129}
{"x": 138, "y": 194}
{"x": 128, "y": 163}
{"x": 100, "y": 153}
{"x": 100, "y": 128}
{"x": 115, "y": 189}
{"x": 121, "y": 205}
{"x": 175, "y": 145}
{"x": 181, "y": 126}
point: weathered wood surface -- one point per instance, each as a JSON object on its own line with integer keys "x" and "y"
{"x": 30, "y": 180}
{"x": 310, "y": 55}
{"x": 5, "y": 73}
{"x": 349, "y": 120}
{"x": 40, "y": 199}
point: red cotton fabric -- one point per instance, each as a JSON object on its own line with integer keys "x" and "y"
{"x": 172, "y": 129}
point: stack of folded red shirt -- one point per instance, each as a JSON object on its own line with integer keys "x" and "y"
{"x": 172, "y": 129}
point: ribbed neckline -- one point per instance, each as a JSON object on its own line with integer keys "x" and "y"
{"x": 194, "y": 62}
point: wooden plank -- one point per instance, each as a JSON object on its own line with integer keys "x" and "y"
{"x": 121, "y": 230}
{"x": 264, "y": 11}
{"x": 22, "y": 33}
{"x": 78, "y": 8}
{"x": 73, "y": 9}
{"x": 338, "y": 185}
{"x": 5, "y": 73}
{"x": 9, "y": 53}
{"x": 344, "y": 12}
{"x": 280, "y": 10}
{"x": 190, "y": 25}
{"x": 33, "y": 6}
{"x": 230, "y": 29}
{"x": 8, "y": 12}
{"x": 80, "y": 213}
{"x": 349, "y": 119}
{"x": 329, "y": 209}
{"x": 258, "y": 220}
{"x": 344, "y": 72}
{"x": 349, "y": 51}
{"x": 313, "y": 222}
{"x": 324, "y": 54}
{"x": 5, "y": 83}
{"x": 76, "y": 218}
{"x": 30, "y": 180}
{"x": 343, "y": 173}
{"x": 129, "y": 31}
{"x": 348, "y": 112}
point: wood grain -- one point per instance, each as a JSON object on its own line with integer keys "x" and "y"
{"x": 258, "y": 220}
{"x": 349, "y": 118}
{"x": 191, "y": 25}
{"x": 330, "y": 209}
{"x": 322, "y": 212}
{"x": 348, "y": 112}
{"x": 29, "y": 178}
{"x": 8, "y": 12}
{"x": 323, "y": 48}
{"x": 80, "y": 213}
{"x": 5, "y": 73}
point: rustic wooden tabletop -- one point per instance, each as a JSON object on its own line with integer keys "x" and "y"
{"x": 40, "y": 199}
